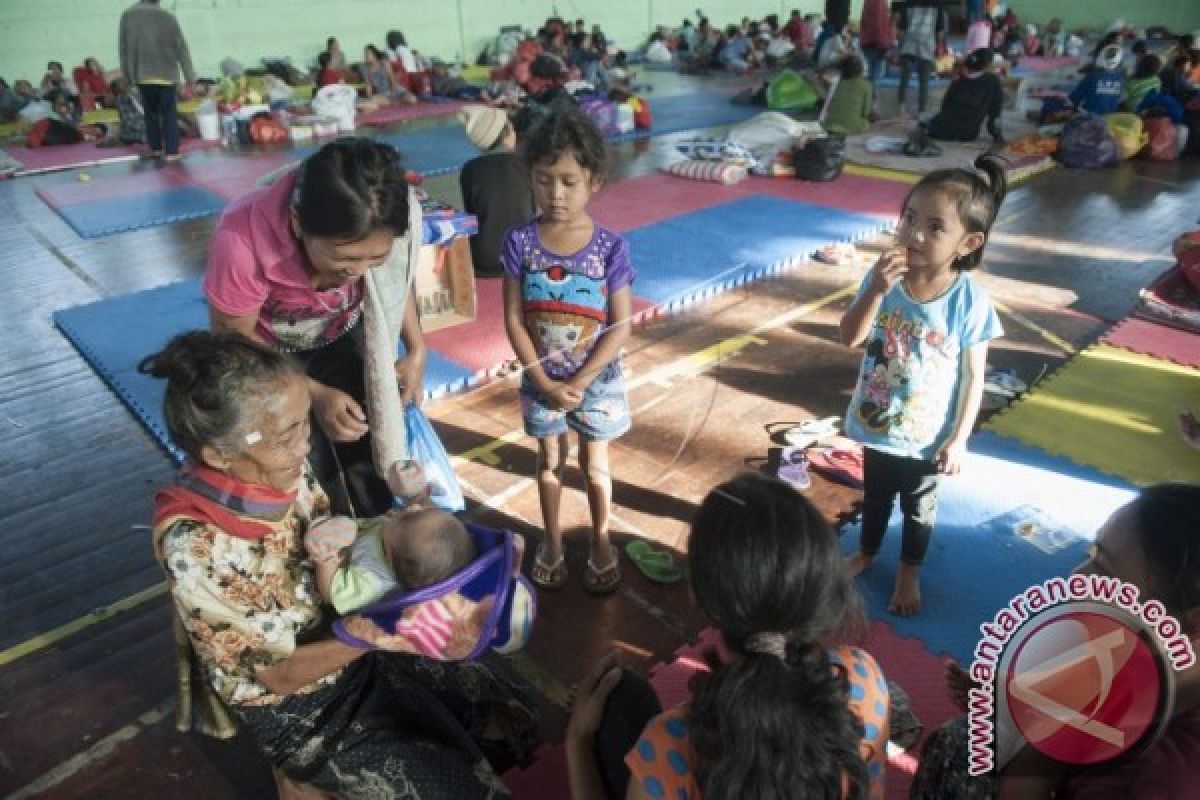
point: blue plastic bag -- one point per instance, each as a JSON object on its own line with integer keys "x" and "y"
{"x": 426, "y": 449}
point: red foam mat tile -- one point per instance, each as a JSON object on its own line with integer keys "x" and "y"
{"x": 1159, "y": 341}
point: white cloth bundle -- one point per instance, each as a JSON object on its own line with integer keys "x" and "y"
{"x": 385, "y": 298}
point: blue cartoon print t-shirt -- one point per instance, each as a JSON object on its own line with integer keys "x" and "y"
{"x": 564, "y": 298}
{"x": 907, "y": 393}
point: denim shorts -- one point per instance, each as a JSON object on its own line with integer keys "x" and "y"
{"x": 603, "y": 415}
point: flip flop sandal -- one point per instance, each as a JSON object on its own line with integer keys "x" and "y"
{"x": 603, "y": 581}
{"x": 547, "y": 576}
{"x": 810, "y": 432}
{"x": 1003, "y": 382}
{"x": 793, "y": 468}
{"x": 840, "y": 465}
{"x": 657, "y": 565}
{"x": 835, "y": 254}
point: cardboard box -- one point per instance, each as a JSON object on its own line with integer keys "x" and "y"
{"x": 445, "y": 285}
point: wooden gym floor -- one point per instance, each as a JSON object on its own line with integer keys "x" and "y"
{"x": 87, "y": 679}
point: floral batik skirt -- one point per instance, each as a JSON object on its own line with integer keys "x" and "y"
{"x": 394, "y": 726}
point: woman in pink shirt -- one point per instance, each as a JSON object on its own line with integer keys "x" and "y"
{"x": 285, "y": 267}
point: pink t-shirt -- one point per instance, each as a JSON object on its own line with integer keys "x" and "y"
{"x": 257, "y": 268}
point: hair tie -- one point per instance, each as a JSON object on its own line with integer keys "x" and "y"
{"x": 768, "y": 643}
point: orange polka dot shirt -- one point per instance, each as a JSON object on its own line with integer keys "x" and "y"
{"x": 661, "y": 762}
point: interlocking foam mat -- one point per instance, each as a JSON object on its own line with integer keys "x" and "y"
{"x": 87, "y": 154}
{"x": 203, "y": 187}
{"x": 977, "y": 560}
{"x": 694, "y": 256}
{"x": 638, "y": 202}
{"x": 94, "y": 219}
{"x": 1113, "y": 410}
{"x": 680, "y": 261}
{"x": 115, "y": 334}
{"x": 1159, "y": 341}
{"x": 954, "y": 154}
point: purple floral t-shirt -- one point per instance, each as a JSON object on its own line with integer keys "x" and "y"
{"x": 564, "y": 298}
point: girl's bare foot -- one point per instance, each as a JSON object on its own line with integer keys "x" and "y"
{"x": 857, "y": 563}
{"x": 906, "y": 595}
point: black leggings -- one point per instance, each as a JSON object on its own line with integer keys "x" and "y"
{"x": 916, "y": 481}
{"x": 923, "y": 67}
{"x": 355, "y": 488}
{"x": 630, "y": 707}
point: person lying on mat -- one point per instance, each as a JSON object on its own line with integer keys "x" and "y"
{"x": 783, "y": 706}
{"x": 229, "y": 535}
{"x": 286, "y": 266}
{"x": 1152, "y": 544}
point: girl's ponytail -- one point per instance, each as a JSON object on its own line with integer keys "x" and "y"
{"x": 777, "y": 729}
{"x": 774, "y": 721}
{"x": 994, "y": 167}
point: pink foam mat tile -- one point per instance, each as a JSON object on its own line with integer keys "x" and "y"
{"x": 642, "y": 201}
{"x": 920, "y": 673}
{"x": 1159, "y": 341}
{"x": 671, "y": 680}
{"x": 482, "y": 344}
{"x": 87, "y": 153}
{"x": 849, "y": 192}
{"x": 235, "y": 176}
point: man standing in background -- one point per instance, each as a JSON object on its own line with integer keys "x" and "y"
{"x": 152, "y": 51}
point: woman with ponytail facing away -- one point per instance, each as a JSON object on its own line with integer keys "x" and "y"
{"x": 785, "y": 712}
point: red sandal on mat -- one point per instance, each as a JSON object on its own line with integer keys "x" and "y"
{"x": 842, "y": 463}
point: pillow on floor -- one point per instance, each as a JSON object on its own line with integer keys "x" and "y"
{"x": 712, "y": 171}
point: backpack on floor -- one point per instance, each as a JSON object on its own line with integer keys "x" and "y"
{"x": 1161, "y": 135}
{"x": 790, "y": 90}
{"x": 1086, "y": 143}
{"x": 820, "y": 159}
{"x": 1127, "y": 133}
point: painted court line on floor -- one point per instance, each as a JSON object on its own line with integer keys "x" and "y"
{"x": 97, "y": 752}
{"x": 1026, "y": 322}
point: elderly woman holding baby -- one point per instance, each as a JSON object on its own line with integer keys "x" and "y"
{"x": 229, "y": 533}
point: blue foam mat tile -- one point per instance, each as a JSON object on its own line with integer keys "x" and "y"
{"x": 433, "y": 151}
{"x": 113, "y": 335}
{"x": 118, "y": 214}
{"x": 892, "y": 81}
{"x": 696, "y": 255}
{"x": 977, "y": 561}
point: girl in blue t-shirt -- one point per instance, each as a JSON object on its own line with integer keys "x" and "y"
{"x": 567, "y": 302}
{"x": 926, "y": 326}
